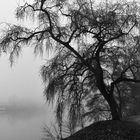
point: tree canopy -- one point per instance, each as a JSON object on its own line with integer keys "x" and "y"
{"x": 96, "y": 55}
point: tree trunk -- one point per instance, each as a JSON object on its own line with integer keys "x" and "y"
{"x": 108, "y": 95}
{"x": 114, "y": 108}
{"x": 110, "y": 100}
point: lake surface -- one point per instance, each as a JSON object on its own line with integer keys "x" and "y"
{"x": 23, "y": 124}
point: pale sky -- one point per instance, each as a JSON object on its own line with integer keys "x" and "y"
{"x": 22, "y": 81}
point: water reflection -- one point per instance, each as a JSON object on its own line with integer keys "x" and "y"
{"x": 23, "y": 121}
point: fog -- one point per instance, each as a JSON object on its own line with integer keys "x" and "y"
{"x": 23, "y": 108}
{"x": 22, "y": 80}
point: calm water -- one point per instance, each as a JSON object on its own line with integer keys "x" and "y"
{"x": 23, "y": 123}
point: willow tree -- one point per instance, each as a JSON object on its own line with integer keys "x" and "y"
{"x": 96, "y": 53}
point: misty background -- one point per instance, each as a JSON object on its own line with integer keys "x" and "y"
{"x": 23, "y": 79}
{"x": 23, "y": 108}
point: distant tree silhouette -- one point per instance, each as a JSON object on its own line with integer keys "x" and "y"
{"x": 96, "y": 54}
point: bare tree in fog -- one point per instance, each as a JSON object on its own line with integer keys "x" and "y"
{"x": 96, "y": 54}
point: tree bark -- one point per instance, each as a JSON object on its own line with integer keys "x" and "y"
{"x": 107, "y": 95}
{"x": 111, "y": 102}
{"x": 114, "y": 108}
